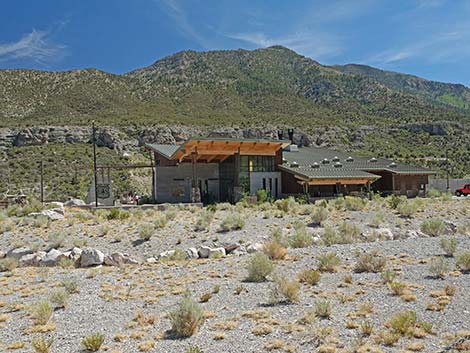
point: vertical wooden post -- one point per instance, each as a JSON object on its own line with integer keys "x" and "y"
{"x": 94, "y": 164}
{"x": 42, "y": 180}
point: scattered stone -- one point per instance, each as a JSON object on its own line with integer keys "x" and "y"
{"x": 204, "y": 252}
{"x": 52, "y": 258}
{"x": 229, "y": 248}
{"x": 74, "y": 203}
{"x": 217, "y": 252}
{"x": 75, "y": 253}
{"x": 18, "y": 253}
{"x": 91, "y": 257}
{"x": 255, "y": 247}
{"x": 192, "y": 253}
{"x": 151, "y": 260}
{"x": 118, "y": 259}
{"x": 166, "y": 254}
{"x": 30, "y": 260}
{"x": 53, "y": 214}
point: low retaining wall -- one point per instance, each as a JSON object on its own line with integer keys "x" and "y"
{"x": 441, "y": 184}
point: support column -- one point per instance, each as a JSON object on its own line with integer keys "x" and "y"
{"x": 195, "y": 192}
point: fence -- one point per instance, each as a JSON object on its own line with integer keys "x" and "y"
{"x": 441, "y": 184}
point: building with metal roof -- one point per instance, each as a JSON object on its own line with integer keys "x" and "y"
{"x": 223, "y": 169}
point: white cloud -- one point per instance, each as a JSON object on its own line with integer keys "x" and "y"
{"x": 177, "y": 13}
{"x": 312, "y": 44}
{"x": 35, "y": 46}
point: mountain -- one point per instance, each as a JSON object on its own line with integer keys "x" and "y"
{"x": 234, "y": 87}
{"x": 453, "y": 94}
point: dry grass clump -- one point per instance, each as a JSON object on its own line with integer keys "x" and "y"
{"x": 348, "y": 232}
{"x": 59, "y": 298}
{"x": 402, "y": 323}
{"x": 463, "y": 261}
{"x": 276, "y": 247}
{"x": 407, "y": 208}
{"x": 262, "y": 329}
{"x": 93, "y": 342}
{"x": 438, "y": 267}
{"x": 309, "y": 276}
{"x": 449, "y": 246}
{"x": 352, "y": 203}
{"x": 328, "y": 262}
{"x": 284, "y": 290}
{"x": 187, "y": 318}
{"x": 41, "y": 312}
{"x": 259, "y": 268}
{"x": 377, "y": 219}
{"x": 301, "y": 238}
{"x": 323, "y": 309}
{"x": 319, "y": 215}
{"x": 8, "y": 264}
{"x": 370, "y": 262}
{"x": 204, "y": 221}
{"x": 41, "y": 345}
{"x": 233, "y": 221}
{"x": 433, "y": 227}
{"x": 146, "y": 231}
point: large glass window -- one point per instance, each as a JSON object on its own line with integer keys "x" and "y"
{"x": 256, "y": 164}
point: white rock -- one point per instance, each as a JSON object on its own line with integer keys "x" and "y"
{"x": 166, "y": 254}
{"x": 75, "y": 253}
{"x": 91, "y": 257}
{"x": 204, "y": 252}
{"x": 118, "y": 259}
{"x": 30, "y": 260}
{"x": 52, "y": 258}
{"x": 53, "y": 214}
{"x": 2, "y": 254}
{"x": 385, "y": 233}
{"x": 217, "y": 252}
{"x": 191, "y": 253}
{"x": 18, "y": 253}
{"x": 74, "y": 203}
{"x": 255, "y": 247}
{"x": 151, "y": 260}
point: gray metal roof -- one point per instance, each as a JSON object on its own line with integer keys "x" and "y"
{"x": 351, "y": 166}
{"x": 165, "y": 150}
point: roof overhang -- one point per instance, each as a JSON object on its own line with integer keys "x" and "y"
{"x": 219, "y": 149}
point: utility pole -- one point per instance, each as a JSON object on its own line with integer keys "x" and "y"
{"x": 94, "y": 163}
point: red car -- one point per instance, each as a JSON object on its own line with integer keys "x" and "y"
{"x": 463, "y": 191}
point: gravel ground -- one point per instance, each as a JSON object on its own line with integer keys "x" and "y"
{"x": 110, "y": 297}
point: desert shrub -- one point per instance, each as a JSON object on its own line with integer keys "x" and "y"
{"x": 301, "y": 238}
{"x": 285, "y": 290}
{"x": 41, "y": 345}
{"x": 398, "y": 288}
{"x": 103, "y": 230}
{"x": 56, "y": 240}
{"x": 310, "y": 276}
{"x": 328, "y": 262}
{"x": 8, "y": 264}
{"x": 187, "y": 318}
{"x": 259, "y": 268}
{"x": 449, "y": 246}
{"x": 287, "y": 205}
{"x": 370, "y": 262}
{"x": 394, "y": 201}
{"x": 93, "y": 342}
{"x": 337, "y": 203}
{"x": 59, "y": 298}
{"x": 463, "y": 261}
{"x": 262, "y": 195}
{"x": 366, "y": 328}
{"x": 171, "y": 213}
{"x": 70, "y": 285}
{"x": 407, "y": 208}
{"x": 433, "y": 193}
{"x": 330, "y": 236}
{"x": 160, "y": 221}
{"x": 377, "y": 219}
{"x": 232, "y": 221}
{"x": 319, "y": 215}
{"x": 204, "y": 221}
{"x": 194, "y": 349}
{"x": 433, "y": 227}
{"x": 323, "y": 309}
{"x": 403, "y": 322}
{"x": 463, "y": 229}
{"x": 274, "y": 249}
{"x": 348, "y": 232}
{"x": 41, "y": 312}
{"x": 117, "y": 213}
{"x": 355, "y": 203}
{"x": 388, "y": 276}
{"x": 146, "y": 231}
{"x": 179, "y": 255}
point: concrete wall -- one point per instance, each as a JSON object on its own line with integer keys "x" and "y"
{"x": 173, "y": 184}
{"x": 256, "y": 182}
{"x": 441, "y": 184}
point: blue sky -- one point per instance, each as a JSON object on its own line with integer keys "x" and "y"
{"x": 428, "y": 38}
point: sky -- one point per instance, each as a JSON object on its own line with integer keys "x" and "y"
{"x": 427, "y": 38}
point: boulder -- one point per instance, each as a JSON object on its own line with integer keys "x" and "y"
{"x": 204, "y": 252}
{"x": 229, "y": 248}
{"x": 52, "y": 258}
{"x": 30, "y": 260}
{"x": 18, "y": 253}
{"x": 192, "y": 253}
{"x": 217, "y": 252}
{"x": 118, "y": 259}
{"x": 91, "y": 257}
{"x": 74, "y": 203}
{"x": 385, "y": 233}
{"x": 76, "y": 253}
{"x": 255, "y": 247}
{"x": 166, "y": 254}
